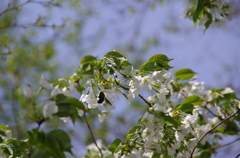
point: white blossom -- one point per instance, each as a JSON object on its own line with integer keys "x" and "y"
{"x": 49, "y": 109}
{"x": 104, "y": 116}
{"x": 179, "y": 136}
{"x": 45, "y": 84}
{"x": 27, "y": 91}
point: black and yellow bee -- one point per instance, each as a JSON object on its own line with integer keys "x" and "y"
{"x": 102, "y": 98}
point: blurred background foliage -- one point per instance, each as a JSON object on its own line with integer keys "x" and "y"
{"x": 50, "y": 36}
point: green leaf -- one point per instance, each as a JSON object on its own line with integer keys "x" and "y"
{"x": 156, "y": 155}
{"x": 1, "y": 140}
{"x": 62, "y": 139}
{"x": 198, "y": 11}
{"x": 53, "y": 143}
{"x": 219, "y": 129}
{"x": 205, "y": 154}
{"x": 36, "y": 137}
{"x": 231, "y": 128}
{"x": 164, "y": 65}
{"x": 15, "y": 148}
{"x": 133, "y": 129}
{"x": 6, "y": 149}
{"x": 184, "y": 74}
{"x": 159, "y": 57}
{"x": 2, "y": 133}
{"x": 125, "y": 63}
{"x": 87, "y": 69}
{"x": 40, "y": 153}
{"x": 208, "y": 22}
{"x": 3, "y": 127}
{"x": 88, "y": 59}
{"x": 149, "y": 66}
{"x": 187, "y": 108}
{"x": 115, "y": 145}
{"x": 61, "y": 99}
{"x": 161, "y": 60}
{"x": 195, "y": 100}
{"x": 237, "y": 117}
{"x": 114, "y": 54}
{"x": 68, "y": 106}
{"x": 170, "y": 120}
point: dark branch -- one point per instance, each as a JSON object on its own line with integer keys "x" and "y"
{"x": 212, "y": 130}
{"x": 149, "y": 104}
{"x": 226, "y": 144}
{"x": 93, "y": 138}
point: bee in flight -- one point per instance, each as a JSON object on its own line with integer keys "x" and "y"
{"x": 102, "y": 98}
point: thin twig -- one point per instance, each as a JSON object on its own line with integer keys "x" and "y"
{"x": 125, "y": 88}
{"x": 30, "y": 25}
{"x": 26, "y": 2}
{"x": 205, "y": 107}
{"x": 212, "y": 130}
{"x": 13, "y": 8}
{"x": 149, "y": 104}
{"x": 94, "y": 140}
{"x": 227, "y": 144}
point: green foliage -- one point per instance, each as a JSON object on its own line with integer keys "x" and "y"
{"x": 187, "y": 108}
{"x": 170, "y": 120}
{"x": 113, "y": 147}
{"x": 195, "y": 100}
{"x": 52, "y": 144}
{"x": 14, "y": 148}
{"x": 155, "y": 63}
{"x": 198, "y": 11}
{"x": 68, "y": 106}
{"x": 209, "y": 21}
{"x": 205, "y": 154}
{"x": 133, "y": 129}
{"x": 184, "y": 74}
{"x": 88, "y": 59}
{"x": 156, "y": 155}
{"x": 116, "y": 59}
{"x": 3, "y": 127}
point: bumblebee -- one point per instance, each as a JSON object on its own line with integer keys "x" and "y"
{"x": 102, "y": 98}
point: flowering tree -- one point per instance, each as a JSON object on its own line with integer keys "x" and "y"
{"x": 183, "y": 119}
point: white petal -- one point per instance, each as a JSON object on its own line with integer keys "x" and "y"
{"x": 44, "y": 83}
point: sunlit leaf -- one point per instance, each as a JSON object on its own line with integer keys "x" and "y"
{"x": 170, "y": 120}
{"x": 88, "y": 59}
{"x": 114, "y": 54}
{"x": 115, "y": 145}
{"x": 159, "y": 57}
{"x": 184, "y": 74}
{"x": 195, "y": 100}
{"x": 149, "y": 66}
{"x": 187, "y": 108}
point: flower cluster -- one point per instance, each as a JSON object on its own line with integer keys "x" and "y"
{"x": 180, "y": 117}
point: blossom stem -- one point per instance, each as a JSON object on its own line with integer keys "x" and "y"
{"x": 212, "y": 130}
{"x": 93, "y": 138}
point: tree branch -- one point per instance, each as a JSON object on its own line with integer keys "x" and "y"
{"x": 14, "y": 8}
{"x": 93, "y": 138}
{"x": 212, "y": 130}
{"x": 227, "y": 144}
{"x": 31, "y": 25}
{"x": 46, "y": 3}
{"x": 149, "y": 104}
